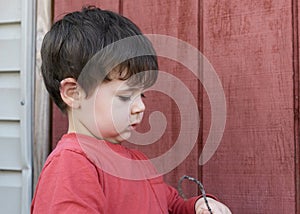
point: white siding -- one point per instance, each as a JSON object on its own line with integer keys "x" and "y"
{"x": 10, "y": 11}
{"x": 10, "y": 192}
{"x": 10, "y": 92}
{"x": 10, "y": 54}
{"x": 16, "y": 78}
{"x": 10, "y": 152}
{"x": 9, "y": 110}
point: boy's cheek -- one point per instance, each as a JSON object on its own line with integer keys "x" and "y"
{"x": 120, "y": 110}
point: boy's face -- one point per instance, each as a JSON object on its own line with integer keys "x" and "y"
{"x": 111, "y": 112}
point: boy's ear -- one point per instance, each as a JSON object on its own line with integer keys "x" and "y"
{"x": 71, "y": 93}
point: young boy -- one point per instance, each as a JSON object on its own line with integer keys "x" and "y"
{"x": 99, "y": 84}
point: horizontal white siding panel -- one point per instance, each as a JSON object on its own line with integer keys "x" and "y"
{"x": 10, "y": 55}
{"x": 10, "y": 129}
{"x": 10, "y": 11}
{"x": 10, "y": 31}
{"x": 10, "y": 190}
{"x": 10, "y": 154}
{"x": 9, "y": 80}
{"x": 10, "y": 109}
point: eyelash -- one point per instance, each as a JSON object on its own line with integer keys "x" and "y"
{"x": 127, "y": 98}
{"x": 124, "y": 98}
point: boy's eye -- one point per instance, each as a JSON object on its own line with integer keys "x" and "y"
{"x": 124, "y": 98}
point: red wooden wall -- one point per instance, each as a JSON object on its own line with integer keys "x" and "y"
{"x": 250, "y": 44}
{"x": 254, "y": 48}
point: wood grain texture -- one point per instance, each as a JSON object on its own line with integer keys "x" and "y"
{"x": 63, "y": 7}
{"x": 178, "y": 19}
{"x": 296, "y": 60}
{"x": 250, "y": 45}
{"x": 253, "y": 46}
{"x": 41, "y": 147}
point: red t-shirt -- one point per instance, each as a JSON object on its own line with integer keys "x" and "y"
{"x": 73, "y": 181}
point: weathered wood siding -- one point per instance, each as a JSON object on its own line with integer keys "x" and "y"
{"x": 41, "y": 147}
{"x": 250, "y": 44}
{"x": 253, "y": 46}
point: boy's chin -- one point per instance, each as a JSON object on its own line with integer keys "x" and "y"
{"x": 122, "y": 137}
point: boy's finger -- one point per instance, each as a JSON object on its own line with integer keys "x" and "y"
{"x": 203, "y": 211}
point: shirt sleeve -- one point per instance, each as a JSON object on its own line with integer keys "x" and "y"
{"x": 177, "y": 205}
{"x": 69, "y": 183}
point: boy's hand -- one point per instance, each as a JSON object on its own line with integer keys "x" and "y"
{"x": 216, "y": 207}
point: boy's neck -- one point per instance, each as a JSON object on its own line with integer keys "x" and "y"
{"x": 76, "y": 126}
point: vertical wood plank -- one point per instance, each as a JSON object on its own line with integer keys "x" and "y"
{"x": 63, "y": 7}
{"x": 250, "y": 45}
{"x": 178, "y": 19}
{"x": 296, "y": 59}
{"x": 42, "y": 104}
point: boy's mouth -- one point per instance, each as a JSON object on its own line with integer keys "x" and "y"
{"x": 134, "y": 126}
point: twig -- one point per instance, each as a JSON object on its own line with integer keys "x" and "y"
{"x": 200, "y": 187}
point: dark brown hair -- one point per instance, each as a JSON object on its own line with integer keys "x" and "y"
{"x": 85, "y": 46}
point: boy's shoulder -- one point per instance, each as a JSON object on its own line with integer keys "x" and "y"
{"x": 66, "y": 145}
{"x": 68, "y": 142}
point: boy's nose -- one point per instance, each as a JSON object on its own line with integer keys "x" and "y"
{"x": 137, "y": 106}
